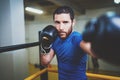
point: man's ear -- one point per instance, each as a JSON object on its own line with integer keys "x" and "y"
{"x": 74, "y": 21}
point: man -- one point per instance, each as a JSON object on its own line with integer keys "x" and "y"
{"x": 71, "y": 58}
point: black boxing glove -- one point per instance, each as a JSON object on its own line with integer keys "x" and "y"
{"x": 89, "y": 31}
{"x": 48, "y": 36}
{"x": 104, "y": 35}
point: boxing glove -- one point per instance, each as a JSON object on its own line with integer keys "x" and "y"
{"x": 104, "y": 35}
{"x": 48, "y": 36}
{"x": 89, "y": 31}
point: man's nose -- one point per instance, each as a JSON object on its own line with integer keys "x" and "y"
{"x": 61, "y": 26}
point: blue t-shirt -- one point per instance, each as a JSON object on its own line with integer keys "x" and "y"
{"x": 71, "y": 58}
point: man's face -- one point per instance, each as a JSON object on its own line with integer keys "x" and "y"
{"x": 63, "y": 24}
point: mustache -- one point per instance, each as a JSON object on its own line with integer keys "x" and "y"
{"x": 61, "y": 31}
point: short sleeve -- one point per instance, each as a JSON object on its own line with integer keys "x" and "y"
{"x": 77, "y": 38}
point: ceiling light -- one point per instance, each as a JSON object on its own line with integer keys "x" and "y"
{"x": 117, "y": 1}
{"x": 30, "y": 9}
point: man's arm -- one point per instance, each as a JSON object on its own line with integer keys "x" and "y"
{"x": 48, "y": 36}
{"x": 46, "y": 58}
{"x": 86, "y": 46}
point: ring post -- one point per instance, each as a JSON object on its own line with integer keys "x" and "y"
{"x": 43, "y": 76}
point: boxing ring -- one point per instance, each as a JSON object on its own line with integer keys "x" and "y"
{"x": 91, "y": 75}
{"x": 44, "y": 71}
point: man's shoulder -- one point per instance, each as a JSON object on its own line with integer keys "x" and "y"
{"x": 76, "y": 36}
{"x": 75, "y": 33}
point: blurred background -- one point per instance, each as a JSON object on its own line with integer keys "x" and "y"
{"x": 19, "y": 25}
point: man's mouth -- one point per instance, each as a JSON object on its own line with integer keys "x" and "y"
{"x": 62, "y": 33}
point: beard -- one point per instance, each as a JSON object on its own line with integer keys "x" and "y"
{"x": 65, "y": 34}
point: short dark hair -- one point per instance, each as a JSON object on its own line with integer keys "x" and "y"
{"x": 64, "y": 9}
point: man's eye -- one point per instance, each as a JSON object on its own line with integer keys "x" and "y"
{"x": 57, "y": 22}
{"x": 65, "y": 22}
